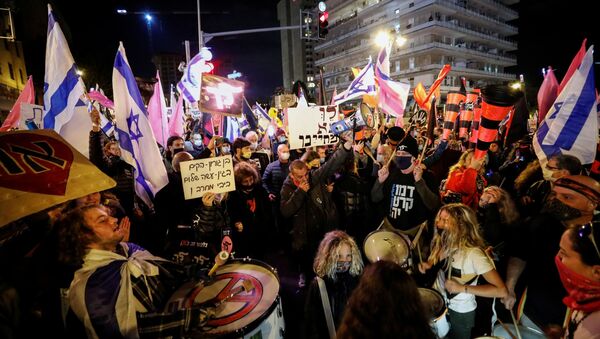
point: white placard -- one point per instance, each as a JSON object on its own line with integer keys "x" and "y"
{"x": 31, "y": 114}
{"x": 201, "y": 176}
{"x": 309, "y": 126}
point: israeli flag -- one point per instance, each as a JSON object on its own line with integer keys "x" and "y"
{"x": 363, "y": 84}
{"x": 138, "y": 145}
{"x": 189, "y": 85}
{"x": 64, "y": 111}
{"x": 571, "y": 124}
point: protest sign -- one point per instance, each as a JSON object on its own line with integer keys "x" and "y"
{"x": 201, "y": 176}
{"x": 309, "y": 126}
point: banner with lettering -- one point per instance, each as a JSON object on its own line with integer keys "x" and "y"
{"x": 201, "y": 176}
{"x": 39, "y": 169}
{"x": 309, "y": 126}
{"x": 219, "y": 95}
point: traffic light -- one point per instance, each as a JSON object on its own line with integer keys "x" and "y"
{"x": 323, "y": 23}
{"x": 308, "y": 26}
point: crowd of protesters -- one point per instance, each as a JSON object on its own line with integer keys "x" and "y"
{"x": 499, "y": 227}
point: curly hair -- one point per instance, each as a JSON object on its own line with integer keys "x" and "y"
{"x": 506, "y": 206}
{"x": 462, "y": 161}
{"x": 327, "y": 255}
{"x": 74, "y": 236}
{"x": 243, "y": 170}
{"x": 463, "y": 234}
{"x": 385, "y": 304}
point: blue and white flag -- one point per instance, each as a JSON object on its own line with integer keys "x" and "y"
{"x": 363, "y": 84}
{"x": 138, "y": 145}
{"x": 189, "y": 85}
{"x": 301, "y": 98}
{"x": 64, "y": 111}
{"x": 232, "y": 128}
{"x": 571, "y": 124}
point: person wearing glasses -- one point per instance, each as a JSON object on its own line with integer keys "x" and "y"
{"x": 578, "y": 264}
{"x": 572, "y": 202}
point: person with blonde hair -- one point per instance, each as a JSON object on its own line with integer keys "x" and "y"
{"x": 465, "y": 181}
{"x": 457, "y": 249}
{"x": 338, "y": 265}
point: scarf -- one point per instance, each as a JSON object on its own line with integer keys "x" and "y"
{"x": 583, "y": 293}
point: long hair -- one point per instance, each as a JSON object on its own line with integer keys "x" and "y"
{"x": 506, "y": 206}
{"x": 530, "y": 174}
{"x": 243, "y": 170}
{"x": 327, "y": 255}
{"x": 74, "y": 236}
{"x": 463, "y": 234}
{"x": 385, "y": 304}
{"x": 462, "y": 161}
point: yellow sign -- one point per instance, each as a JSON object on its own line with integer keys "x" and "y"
{"x": 39, "y": 169}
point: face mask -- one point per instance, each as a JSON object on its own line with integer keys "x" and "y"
{"x": 177, "y": 150}
{"x": 225, "y": 150}
{"x": 285, "y": 156}
{"x": 342, "y": 266}
{"x": 583, "y": 293}
{"x": 560, "y": 210}
{"x": 548, "y": 174}
{"x": 254, "y": 146}
{"x": 420, "y": 148}
{"x": 380, "y": 158}
{"x": 247, "y": 188}
{"x": 403, "y": 162}
{"x": 322, "y": 160}
{"x": 246, "y": 155}
{"x": 282, "y": 139}
{"x": 197, "y": 143}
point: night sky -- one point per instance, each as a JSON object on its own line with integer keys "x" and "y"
{"x": 550, "y": 33}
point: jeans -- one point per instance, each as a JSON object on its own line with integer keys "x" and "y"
{"x": 460, "y": 324}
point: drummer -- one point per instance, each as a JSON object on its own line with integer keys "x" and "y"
{"x": 402, "y": 186}
{"x": 120, "y": 289}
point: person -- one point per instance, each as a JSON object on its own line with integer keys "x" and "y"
{"x": 338, "y": 263}
{"x": 533, "y": 247}
{"x": 457, "y": 250}
{"x": 312, "y": 159}
{"x": 259, "y": 154}
{"x": 196, "y": 145}
{"x": 386, "y": 304}
{"x": 578, "y": 264}
{"x": 241, "y": 150}
{"x": 306, "y": 200}
{"x": 175, "y": 144}
{"x": 465, "y": 181}
{"x": 120, "y": 289}
{"x": 272, "y": 181}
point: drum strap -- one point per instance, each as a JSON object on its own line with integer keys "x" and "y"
{"x": 326, "y": 307}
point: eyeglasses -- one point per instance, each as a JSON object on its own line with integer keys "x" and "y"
{"x": 587, "y": 231}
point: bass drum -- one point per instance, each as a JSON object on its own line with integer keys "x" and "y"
{"x": 436, "y": 311}
{"x": 387, "y": 245}
{"x": 526, "y": 332}
{"x": 256, "y": 313}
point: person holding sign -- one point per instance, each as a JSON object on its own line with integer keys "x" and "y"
{"x": 306, "y": 201}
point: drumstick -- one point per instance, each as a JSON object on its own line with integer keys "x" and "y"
{"x": 512, "y": 336}
{"x": 423, "y": 151}
{"x": 247, "y": 286}
{"x": 512, "y": 315}
{"x": 219, "y": 260}
{"x": 368, "y": 152}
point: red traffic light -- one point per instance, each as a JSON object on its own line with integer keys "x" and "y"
{"x": 323, "y": 17}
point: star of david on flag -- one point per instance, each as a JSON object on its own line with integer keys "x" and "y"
{"x": 138, "y": 144}
{"x": 363, "y": 83}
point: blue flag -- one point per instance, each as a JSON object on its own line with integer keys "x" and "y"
{"x": 138, "y": 145}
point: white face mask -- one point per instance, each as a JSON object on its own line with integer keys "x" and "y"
{"x": 225, "y": 149}
{"x": 380, "y": 158}
{"x": 254, "y": 146}
{"x": 548, "y": 174}
{"x": 198, "y": 143}
{"x": 285, "y": 155}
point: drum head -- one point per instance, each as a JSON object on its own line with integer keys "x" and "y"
{"x": 244, "y": 311}
{"x": 526, "y": 332}
{"x": 433, "y": 302}
{"x": 386, "y": 245}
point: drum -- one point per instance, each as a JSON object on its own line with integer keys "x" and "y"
{"x": 387, "y": 245}
{"x": 255, "y": 313}
{"x": 435, "y": 309}
{"x": 526, "y": 332}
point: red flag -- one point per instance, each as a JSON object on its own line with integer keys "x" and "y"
{"x": 419, "y": 91}
{"x": 573, "y": 67}
{"x": 547, "y": 94}
{"x": 443, "y": 72}
{"x": 27, "y": 96}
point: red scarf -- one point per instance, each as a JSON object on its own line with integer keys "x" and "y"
{"x": 584, "y": 294}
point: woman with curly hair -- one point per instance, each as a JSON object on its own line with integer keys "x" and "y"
{"x": 385, "y": 304}
{"x": 457, "y": 248}
{"x": 338, "y": 264}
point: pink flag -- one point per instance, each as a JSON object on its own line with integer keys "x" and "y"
{"x": 333, "y": 95}
{"x": 573, "y": 67}
{"x": 392, "y": 97}
{"x": 101, "y": 98}
{"x": 547, "y": 94}
{"x": 157, "y": 113}
{"x": 176, "y": 121}
{"x": 27, "y": 96}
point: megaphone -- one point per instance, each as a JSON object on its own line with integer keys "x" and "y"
{"x": 356, "y": 120}
{"x": 498, "y": 100}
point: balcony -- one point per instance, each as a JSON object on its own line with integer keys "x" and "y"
{"x": 509, "y": 44}
{"x": 505, "y": 60}
{"x": 471, "y": 11}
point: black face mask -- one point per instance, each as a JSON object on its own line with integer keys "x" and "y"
{"x": 403, "y": 162}
{"x": 177, "y": 150}
{"x": 247, "y": 188}
{"x": 560, "y": 210}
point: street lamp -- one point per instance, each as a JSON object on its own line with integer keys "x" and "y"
{"x": 79, "y": 72}
{"x": 382, "y": 38}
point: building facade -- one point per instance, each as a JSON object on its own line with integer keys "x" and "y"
{"x": 473, "y": 36}
{"x": 13, "y": 74}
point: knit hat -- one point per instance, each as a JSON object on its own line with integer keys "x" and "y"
{"x": 406, "y": 142}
